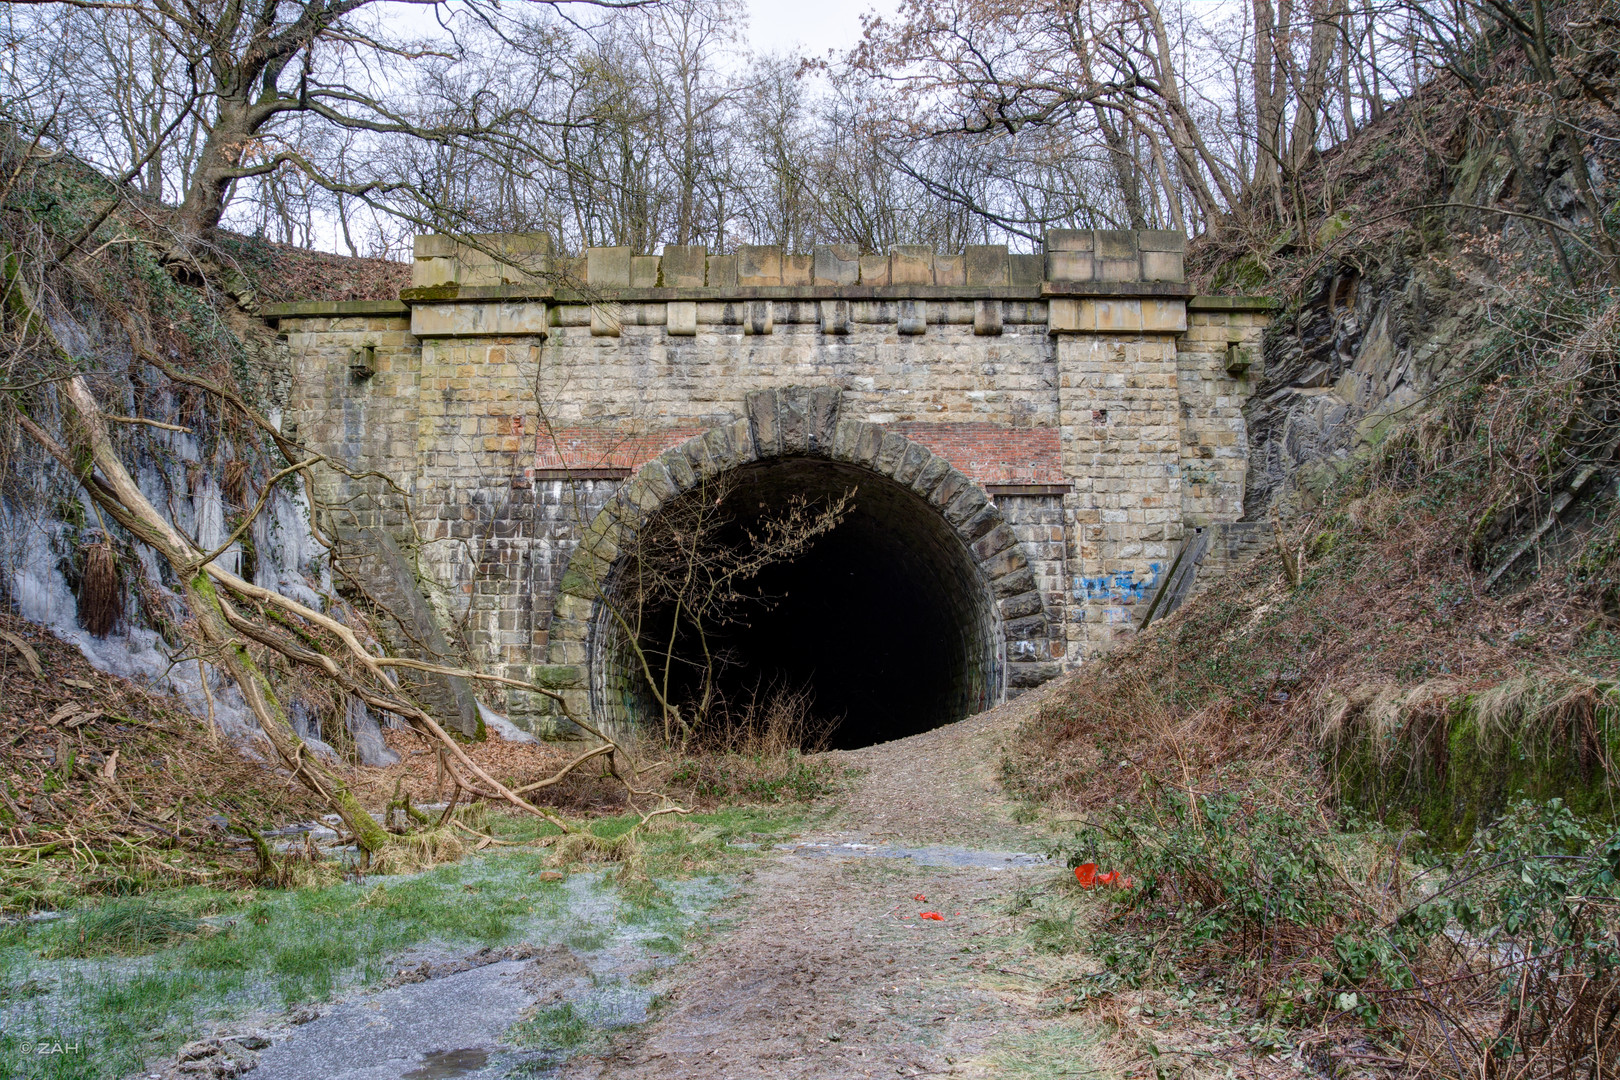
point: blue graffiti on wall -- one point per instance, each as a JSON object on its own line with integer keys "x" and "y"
{"x": 1122, "y": 587}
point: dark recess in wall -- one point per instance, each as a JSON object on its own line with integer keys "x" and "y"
{"x": 885, "y": 618}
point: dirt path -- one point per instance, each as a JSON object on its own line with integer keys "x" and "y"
{"x": 827, "y": 970}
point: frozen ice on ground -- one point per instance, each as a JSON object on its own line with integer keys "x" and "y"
{"x": 932, "y": 855}
{"x": 368, "y": 740}
{"x": 38, "y": 547}
{"x": 503, "y": 727}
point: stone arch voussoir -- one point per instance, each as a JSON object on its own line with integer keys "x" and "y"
{"x": 804, "y": 422}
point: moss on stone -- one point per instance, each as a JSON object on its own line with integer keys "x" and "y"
{"x": 1456, "y": 769}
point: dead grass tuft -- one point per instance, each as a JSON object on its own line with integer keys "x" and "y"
{"x": 101, "y": 601}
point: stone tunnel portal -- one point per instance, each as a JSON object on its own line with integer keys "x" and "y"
{"x": 886, "y": 620}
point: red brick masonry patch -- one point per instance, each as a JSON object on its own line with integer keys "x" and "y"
{"x": 988, "y": 453}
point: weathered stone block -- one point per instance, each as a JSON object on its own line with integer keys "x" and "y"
{"x": 763, "y": 409}
{"x": 685, "y": 266}
{"x": 643, "y": 271}
{"x": 796, "y": 270}
{"x": 1024, "y": 675}
{"x": 836, "y": 264}
{"x": 1164, "y": 316}
{"x": 759, "y": 264}
{"x": 986, "y": 264}
{"x": 1068, "y": 265}
{"x": 987, "y": 318}
{"x": 1161, "y": 240}
{"x": 1025, "y": 269}
{"x": 949, "y": 487}
{"x": 966, "y": 505}
{"x": 1019, "y": 581}
{"x": 869, "y": 445}
{"x": 930, "y": 476}
{"x": 1116, "y": 244}
{"x": 889, "y": 453}
{"x": 1004, "y": 563}
{"x": 793, "y": 408}
{"x": 1069, "y": 240}
{"x": 995, "y": 541}
{"x": 558, "y": 676}
{"x": 1163, "y": 266}
{"x": 494, "y": 318}
{"x": 722, "y": 271}
{"x": 987, "y": 517}
{"x": 949, "y": 270}
{"x": 911, "y": 463}
{"x": 1118, "y": 270}
{"x": 823, "y": 404}
{"x": 606, "y": 320}
{"x": 1016, "y": 607}
{"x": 874, "y": 270}
{"x": 759, "y": 317}
{"x": 679, "y": 469}
{"x": 846, "y": 437}
{"x": 911, "y": 264}
{"x": 608, "y": 267}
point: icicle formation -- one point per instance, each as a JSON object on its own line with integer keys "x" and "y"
{"x": 101, "y": 601}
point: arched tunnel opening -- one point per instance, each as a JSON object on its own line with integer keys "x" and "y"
{"x": 883, "y": 624}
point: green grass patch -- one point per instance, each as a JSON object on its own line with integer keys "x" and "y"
{"x": 130, "y": 927}
{"x": 129, "y": 979}
{"x": 560, "y": 1027}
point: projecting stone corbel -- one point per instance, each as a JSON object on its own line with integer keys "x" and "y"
{"x": 606, "y": 320}
{"x": 758, "y": 318}
{"x": 680, "y": 318}
{"x": 834, "y": 316}
{"x": 913, "y": 318}
{"x": 987, "y": 318}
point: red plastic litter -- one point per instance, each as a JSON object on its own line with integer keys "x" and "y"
{"x": 1086, "y": 874}
{"x": 919, "y": 898}
{"x": 936, "y": 916}
{"x": 1110, "y": 878}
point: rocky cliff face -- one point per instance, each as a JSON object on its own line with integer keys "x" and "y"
{"x": 1355, "y": 353}
{"x": 1396, "y": 304}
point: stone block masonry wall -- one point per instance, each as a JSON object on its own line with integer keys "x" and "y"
{"x": 510, "y": 396}
{"x": 1218, "y": 362}
{"x": 1122, "y": 448}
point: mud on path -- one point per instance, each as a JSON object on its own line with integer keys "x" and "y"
{"x": 826, "y": 970}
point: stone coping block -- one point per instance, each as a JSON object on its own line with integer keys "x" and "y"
{"x": 481, "y": 259}
{"x": 1069, "y": 254}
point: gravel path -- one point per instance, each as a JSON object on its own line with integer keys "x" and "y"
{"x": 828, "y": 971}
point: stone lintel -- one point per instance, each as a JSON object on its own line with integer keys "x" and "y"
{"x": 1232, "y": 303}
{"x": 1116, "y": 315}
{"x": 499, "y": 319}
{"x": 333, "y": 309}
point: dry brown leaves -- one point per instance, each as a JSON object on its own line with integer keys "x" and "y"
{"x": 99, "y": 762}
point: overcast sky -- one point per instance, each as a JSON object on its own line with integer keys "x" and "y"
{"x": 809, "y": 26}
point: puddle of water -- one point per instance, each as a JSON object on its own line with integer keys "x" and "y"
{"x": 932, "y": 855}
{"x": 445, "y": 1063}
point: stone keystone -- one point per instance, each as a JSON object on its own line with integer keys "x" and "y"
{"x": 764, "y": 422}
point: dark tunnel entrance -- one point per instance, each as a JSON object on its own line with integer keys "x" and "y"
{"x": 885, "y": 619}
